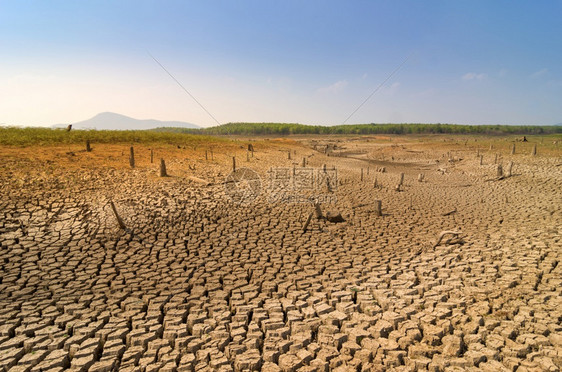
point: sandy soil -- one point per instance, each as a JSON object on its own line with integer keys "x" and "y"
{"x": 198, "y": 282}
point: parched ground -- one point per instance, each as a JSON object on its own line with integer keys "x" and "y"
{"x": 197, "y": 282}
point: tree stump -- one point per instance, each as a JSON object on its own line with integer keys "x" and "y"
{"x": 334, "y": 216}
{"x": 303, "y": 162}
{"x": 206, "y": 155}
{"x": 534, "y": 151}
{"x": 509, "y": 168}
{"x": 318, "y": 210}
{"x": 132, "y": 157}
{"x": 328, "y": 185}
{"x": 378, "y": 207}
{"x": 289, "y": 154}
{"x": 499, "y": 171}
{"x": 234, "y": 163}
{"x": 481, "y": 158}
{"x": 163, "y": 172}
{"x": 88, "y": 148}
{"x": 151, "y": 156}
{"x": 513, "y": 149}
{"x": 496, "y": 159}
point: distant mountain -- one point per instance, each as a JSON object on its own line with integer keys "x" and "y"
{"x": 113, "y": 121}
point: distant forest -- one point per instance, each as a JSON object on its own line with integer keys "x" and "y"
{"x": 288, "y": 129}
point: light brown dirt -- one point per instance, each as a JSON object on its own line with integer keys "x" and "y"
{"x": 198, "y": 282}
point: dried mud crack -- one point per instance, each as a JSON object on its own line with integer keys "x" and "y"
{"x": 197, "y": 282}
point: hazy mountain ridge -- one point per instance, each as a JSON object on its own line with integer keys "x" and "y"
{"x": 113, "y": 121}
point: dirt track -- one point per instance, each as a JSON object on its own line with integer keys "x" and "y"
{"x": 198, "y": 282}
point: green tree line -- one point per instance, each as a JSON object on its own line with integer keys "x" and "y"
{"x": 290, "y": 128}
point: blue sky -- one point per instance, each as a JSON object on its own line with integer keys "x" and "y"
{"x": 312, "y": 62}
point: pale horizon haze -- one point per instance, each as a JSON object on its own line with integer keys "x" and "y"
{"x": 309, "y": 62}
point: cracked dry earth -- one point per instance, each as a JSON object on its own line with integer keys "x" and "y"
{"x": 199, "y": 283}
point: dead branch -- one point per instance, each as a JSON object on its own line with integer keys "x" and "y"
{"x": 446, "y": 232}
{"x": 450, "y": 212}
{"x": 119, "y": 220}
{"x": 307, "y": 222}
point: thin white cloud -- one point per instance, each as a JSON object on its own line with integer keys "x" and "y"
{"x": 474, "y": 76}
{"x": 539, "y": 73}
{"x": 338, "y": 86}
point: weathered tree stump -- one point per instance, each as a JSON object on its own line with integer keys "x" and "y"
{"x": 534, "y": 151}
{"x": 151, "y": 156}
{"x": 163, "y": 172}
{"x": 328, "y": 185}
{"x": 318, "y": 210}
{"x": 234, "y": 163}
{"x": 499, "y": 171}
{"x": 206, "y": 155}
{"x": 378, "y": 207}
{"x": 132, "y": 157}
{"x": 88, "y": 148}
{"x": 513, "y": 149}
{"x": 334, "y": 217}
{"x": 509, "y": 168}
{"x": 496, "y": 159}
{"x": 481, "y": 159}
